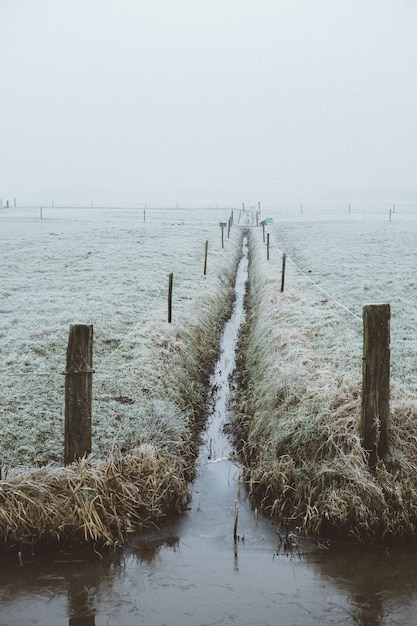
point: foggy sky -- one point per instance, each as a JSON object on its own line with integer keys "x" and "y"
{"x": 208, "y": 101}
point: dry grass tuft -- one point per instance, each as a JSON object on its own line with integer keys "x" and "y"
{"x": 90, "y": 500}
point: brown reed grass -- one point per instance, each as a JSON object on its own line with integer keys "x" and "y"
{"x": 91, "y": 500}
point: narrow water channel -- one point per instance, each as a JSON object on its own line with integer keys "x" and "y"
{"x": 195, "y": 572}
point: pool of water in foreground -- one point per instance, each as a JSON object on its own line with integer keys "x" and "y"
{"x": 194, "y": 572}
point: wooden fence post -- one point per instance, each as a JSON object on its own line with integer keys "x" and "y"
{"x": 78, "y": 392}
{"x": 284, "y": 259}
{"x": 171, "y": 277}
{"x": 375, "y": 381}
{"x": 205, "y": 259}
{"x": 267, "y": 247}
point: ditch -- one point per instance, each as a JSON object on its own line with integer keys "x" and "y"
{"x": 219, "y": 562}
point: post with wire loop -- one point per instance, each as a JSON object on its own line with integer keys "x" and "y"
{"x": 78, "y": 392}
{"x": 375, "y": 380}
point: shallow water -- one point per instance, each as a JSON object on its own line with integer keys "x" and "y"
{"x": 193, "y": 572}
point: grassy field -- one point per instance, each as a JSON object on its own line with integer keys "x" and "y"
{"x": 300, "y": 366}
{"x": 301, "y": 373}
{"x": 109, "y": 268}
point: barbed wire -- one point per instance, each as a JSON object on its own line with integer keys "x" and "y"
{"x": 129, "y": 335}
{"x": 58, "y": 371}
{"x": 326, "y": 293}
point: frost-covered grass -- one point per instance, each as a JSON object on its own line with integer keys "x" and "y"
{"x": 110, "y": 268}
{"x": 301, "y": 360}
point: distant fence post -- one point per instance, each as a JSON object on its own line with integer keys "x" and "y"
{"x": 205, "y": 259}
{"x": 78, "y": 392}
{"x": 171, "y": 278}
{"x": 376, "y": 380}
{"x": 267, "y": 247}
{"x": 284, "y": 259}
{"x": 263, "y": 231}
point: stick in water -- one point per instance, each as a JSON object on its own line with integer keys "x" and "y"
{"x": 235, "y": 524}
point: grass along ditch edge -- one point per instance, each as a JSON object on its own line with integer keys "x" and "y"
{"x": 298, "y": 417}
{"x": 140, "y": 481}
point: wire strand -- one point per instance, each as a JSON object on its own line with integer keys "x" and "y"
{"x": 326, "y": 293}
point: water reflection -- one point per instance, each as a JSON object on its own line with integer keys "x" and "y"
{"x": 380, "y": 580}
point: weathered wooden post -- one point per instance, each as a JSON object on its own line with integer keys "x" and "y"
{"x": 171, "y": 278}
{"x": 78, "y": 392}
{"x": 267, "y": 247}
{"x": 229, "y": 224}
{"x": 375, "y": 381}
{"x": 284, "y": 259}
{"x": 205, "y": 259}
{"x": 263, "y": 231}
{"x": 41, "y": 212}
